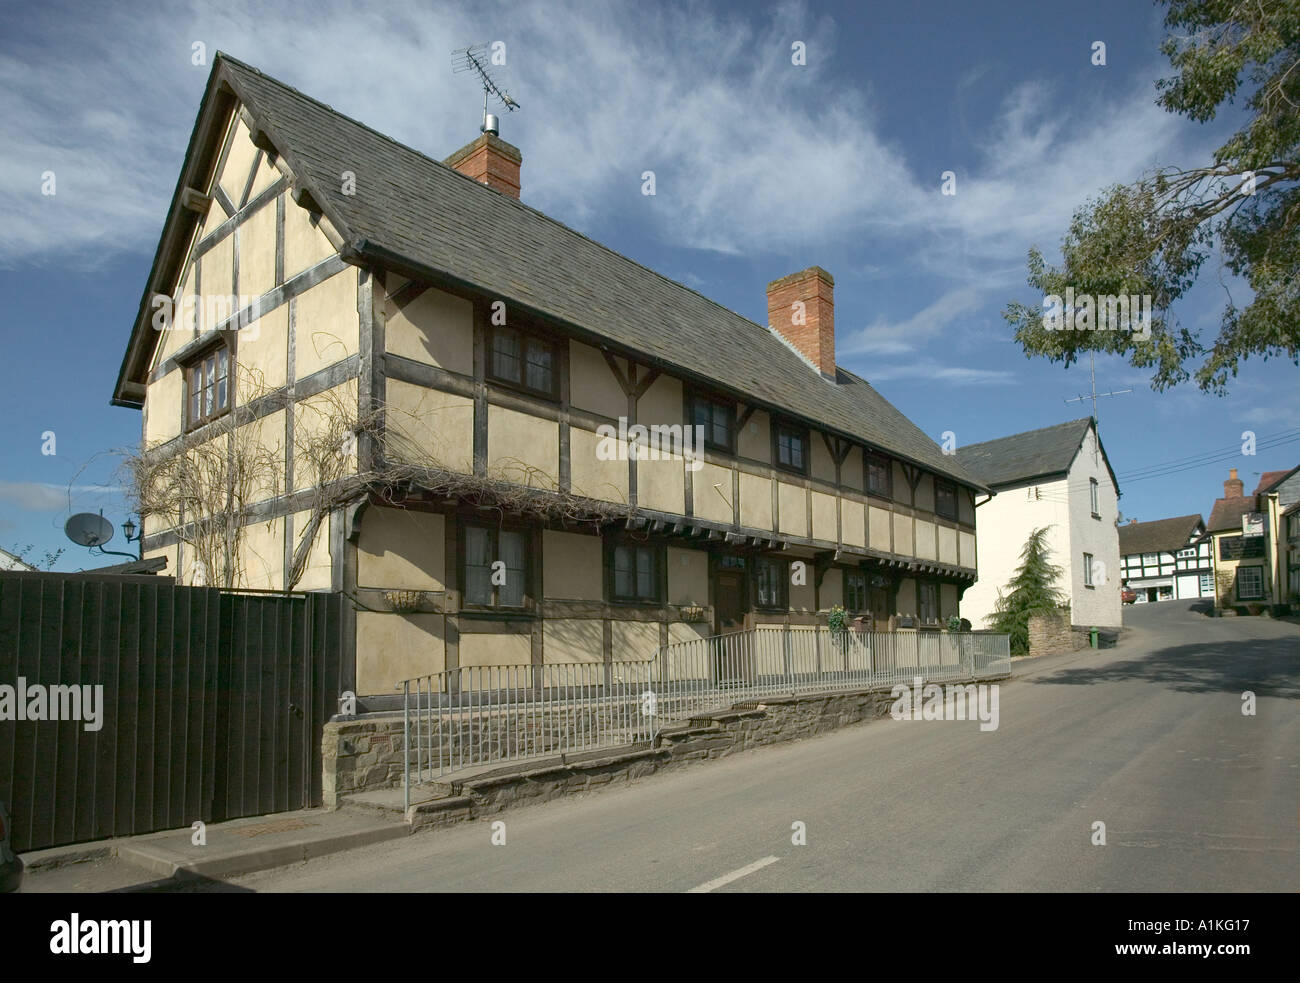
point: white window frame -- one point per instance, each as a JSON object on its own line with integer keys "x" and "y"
{"x": 1257, "y": 571}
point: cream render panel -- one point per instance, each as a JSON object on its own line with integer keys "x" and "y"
{"x": 216, "y": 284}
{"x": 262, "y": 353}
{"x": 326, "y": 324}
{"x": 925, "y": 492}
{"x": 832, "y": 590}
{"x": 318, "y": 573}
{"x": 522, "y": 448}
{"x": 754, "y": 439}
{"x": 851, "y": 471}
{"x": 436, "y": 328}
{"x": 903, "y": 535}
{"x": 685, "y": 631}
{"x": 267, "y": 175}
{"x": 661, "y": 403}
{"x": 429, "y": 428}
{"x": 592, "y": 386}
{"x": 305, "y": 245}
{"x": 257, "y": 253}
{"x": 948, "y": 546}
{"x": 661, "y": 485}
{"x": 572, "y": 566}
{"x": 792, "y": 509}
{"x": 318, "y": 423}
{"x": 688, "y": 577}
{"x": 878, "y": 520}
{"x": 825, "y": 522}
{"x": 401, "y": 549}
{"x": 635, "y": 641}
{"x": 592, "y": 476}
{"x": 823, "y": 465}
{"x": 393, "y": 647}
{"x": 907, "y": 597}
{"x": 925, "y": 547}
{"x": 755, "y": 501}
{"x": 261, "y": 548}
{"x": 163, "y": 408}
{"x": 853, "y": 523}
{"x": 261, "y": 443}
{"x": 239, "y": 162}
{"x": 966, "y": 546}
{"x": 495, "y": 649}
{"x": 711, "y": 486}
{"x": 573, "y": 640}
{"x": 803, "y": 597}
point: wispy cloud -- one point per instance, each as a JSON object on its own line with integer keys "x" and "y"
{"x": 40, "y": 496}
{"x": 955, "y": 374}
{"x": 608, "y": 92}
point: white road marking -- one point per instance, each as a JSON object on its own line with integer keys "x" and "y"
{"x": 735, "y": 875}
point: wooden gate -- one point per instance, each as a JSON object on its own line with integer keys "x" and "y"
{"x": 212, "y": 703}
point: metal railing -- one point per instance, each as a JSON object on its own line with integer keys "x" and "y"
{"x": 479, "y": 715}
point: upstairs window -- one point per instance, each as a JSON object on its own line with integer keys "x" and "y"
{"x": 521, "y": 360}
{"x": 1092, "y": 488}
{"x": 879, "y": 476}
{"x": 945, "y": 499}
{"x": 1087, "y": 570}
{"x": 208, "y": 379}
{"x": 718, "y": 418}
{"x": 791, "y": 447}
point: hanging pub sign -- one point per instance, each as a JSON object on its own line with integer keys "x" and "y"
{"x": 1252, "y": 524}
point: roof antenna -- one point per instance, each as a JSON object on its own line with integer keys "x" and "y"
{"x": 474, "y": 59}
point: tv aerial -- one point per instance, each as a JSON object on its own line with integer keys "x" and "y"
{"x": 475, "y": 59}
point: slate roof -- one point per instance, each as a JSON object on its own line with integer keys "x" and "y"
{"x": 1041, "y": 453}
{"x": 1157, "y": 536}
{"x": 413, "y": 212}
{"x": 1268, "y": 479}
{"x": 1227, "y": 513}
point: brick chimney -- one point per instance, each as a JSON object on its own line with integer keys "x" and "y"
{"x": 1233, "y": 488}
{"x": 801, "y": 308}
{"x": 491, "y": 161}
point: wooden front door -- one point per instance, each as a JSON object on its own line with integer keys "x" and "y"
{"x": 729, "y": 602}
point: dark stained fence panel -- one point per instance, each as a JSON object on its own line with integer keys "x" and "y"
{"x": 213, "y": 703}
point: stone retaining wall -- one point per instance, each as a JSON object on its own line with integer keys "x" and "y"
{"x": 1052, "y": 633}
{"x": 367, "y": 754}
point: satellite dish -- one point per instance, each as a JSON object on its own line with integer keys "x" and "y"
{"x": 88, "y": 529}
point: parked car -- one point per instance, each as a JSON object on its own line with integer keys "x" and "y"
{"x": 11, "y": 865}
{"x": 1128, "y": 596}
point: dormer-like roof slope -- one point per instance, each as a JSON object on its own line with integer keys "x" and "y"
{"x": 1159, "y": 535}
{"x": 1035, "y": 454}
{"x": 416, "y": 215}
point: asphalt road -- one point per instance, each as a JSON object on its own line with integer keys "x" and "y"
{"x": 1148, "y": 738}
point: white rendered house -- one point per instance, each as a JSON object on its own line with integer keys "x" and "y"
{"x": 1056, "y": 477}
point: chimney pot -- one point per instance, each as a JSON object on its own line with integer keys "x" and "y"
{"x": 801, "y": 309}
{"x": 1233, "y": 487}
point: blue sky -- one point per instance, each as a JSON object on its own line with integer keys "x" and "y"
{"x": 762, "y": 168}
